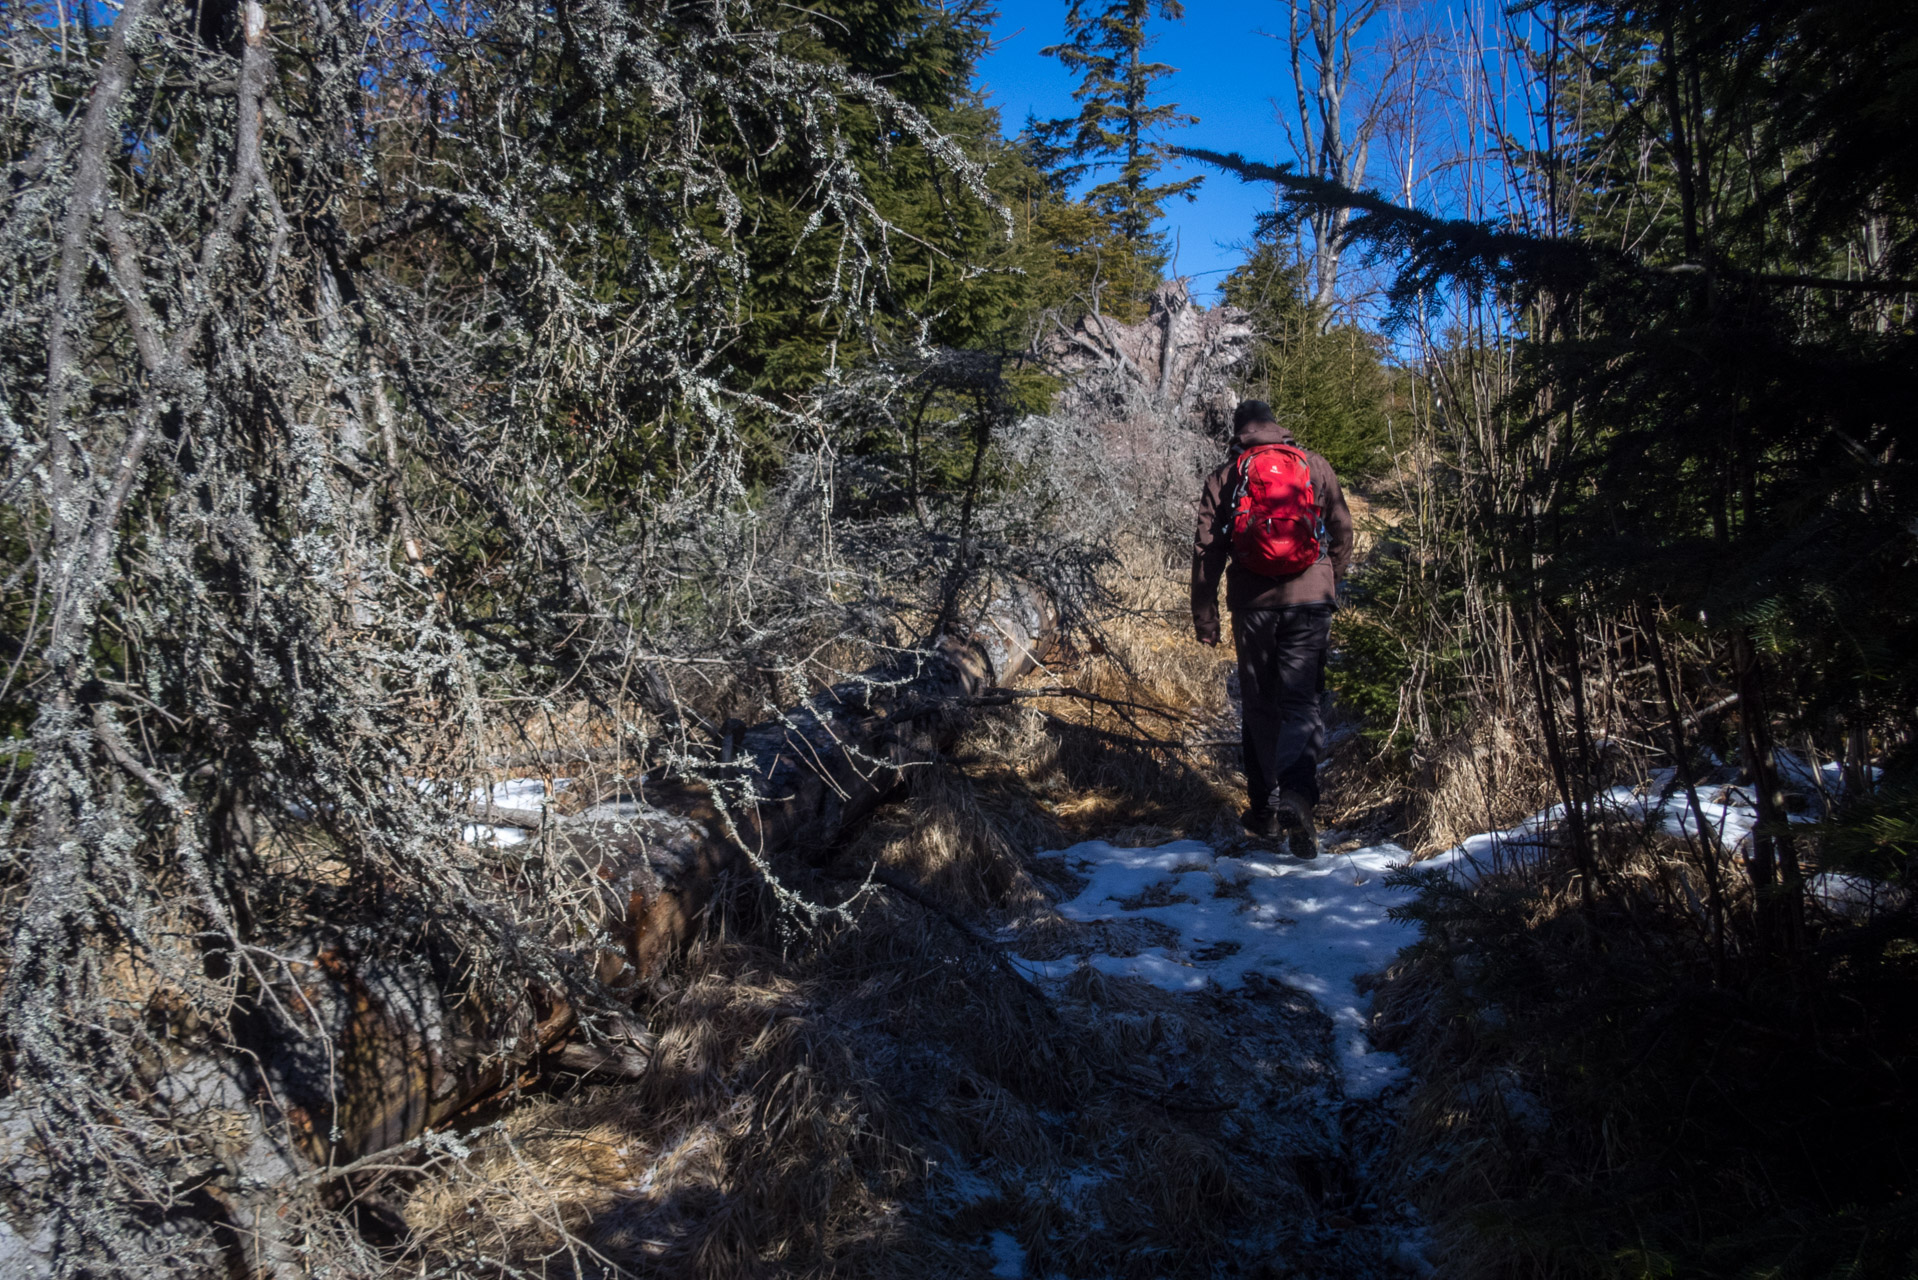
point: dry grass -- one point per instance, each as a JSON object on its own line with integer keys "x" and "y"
{"x": 1486, "y": 779}
{"x": 969, "y": 823}
{"x": 757, "y": 1141}
{"x": 1470, "y": 1131}
{"x": 878, "y": 1100}
{"x": 1597, "y": 1098}
{"x": 879, "y": 1104}
{"x": 1162, "y": 764}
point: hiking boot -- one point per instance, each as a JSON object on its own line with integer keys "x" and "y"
{"x": 1260, "y": 822}
{"x": 1301, "y": 833}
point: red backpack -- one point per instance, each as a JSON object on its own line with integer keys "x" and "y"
{"x": 1275, "y": 516}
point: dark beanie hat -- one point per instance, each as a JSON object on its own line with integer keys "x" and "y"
{"x": 1252, "y": 411}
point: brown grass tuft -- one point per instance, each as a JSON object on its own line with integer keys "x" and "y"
{"x": 1486, "y": 779}
{"x": 965, "y": 831}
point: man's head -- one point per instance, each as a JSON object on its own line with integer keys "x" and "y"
{"x": 1250, "y": 411}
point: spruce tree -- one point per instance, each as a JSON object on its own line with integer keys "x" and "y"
{"x": 1329, "y": 382}
{"x": 1117, "y": 128}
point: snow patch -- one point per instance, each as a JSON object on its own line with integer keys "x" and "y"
{"x": 1729, "y": 812}
{"x": 1853, "y": 896}
{"x": 479, "y": 833}
{"x": 526, "y": 794}
{"x": 1008, "y": 1258}
{"x": 519, "y": 793}
{"x": 1317, "y": 926}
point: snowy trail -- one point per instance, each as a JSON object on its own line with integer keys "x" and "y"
{"x": 1317, "y": 926}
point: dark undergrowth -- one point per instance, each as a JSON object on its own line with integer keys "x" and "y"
{"x": 1594, "y": 1104}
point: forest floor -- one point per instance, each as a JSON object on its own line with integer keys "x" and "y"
{"x": 1080, "y": 1026}
{"x": 1072, "y": 1023}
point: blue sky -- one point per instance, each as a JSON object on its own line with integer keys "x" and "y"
{"x": 1227, "y": 76}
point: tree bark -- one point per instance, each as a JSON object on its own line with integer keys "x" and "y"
{"x": 1777, "y": 883}
{"x": 1681, "y": 760}
{"x": 1561, "y": 771}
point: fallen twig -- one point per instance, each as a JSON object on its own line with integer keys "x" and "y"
{"x": 1001, "y": 696}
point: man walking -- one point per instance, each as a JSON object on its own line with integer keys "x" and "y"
{"x": 1277, "y": 511}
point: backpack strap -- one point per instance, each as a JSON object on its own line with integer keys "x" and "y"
{"x": 1227, "y": 516}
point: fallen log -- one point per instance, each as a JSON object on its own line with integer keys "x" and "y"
{"x": 398, "y": 1053}
{"x": 336, "y": 1061}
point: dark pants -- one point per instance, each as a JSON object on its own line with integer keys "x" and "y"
{"x": 1281, "y": 675}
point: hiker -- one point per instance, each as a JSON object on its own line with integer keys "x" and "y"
{"x": 1277, "y": 510}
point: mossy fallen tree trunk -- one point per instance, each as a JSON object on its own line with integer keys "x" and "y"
{"x": 359, "y": 1055}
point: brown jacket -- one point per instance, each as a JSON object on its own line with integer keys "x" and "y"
{"x": 1243, "y": 588}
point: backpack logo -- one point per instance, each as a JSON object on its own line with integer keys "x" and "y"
{"x": 1275, "y": 519}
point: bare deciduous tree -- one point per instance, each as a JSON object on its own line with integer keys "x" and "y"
{"x": 1347, "y": 85}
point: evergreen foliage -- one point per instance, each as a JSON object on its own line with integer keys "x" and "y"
{"x": 1116, "y": 129}
{"x": 1329, "y": 384}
